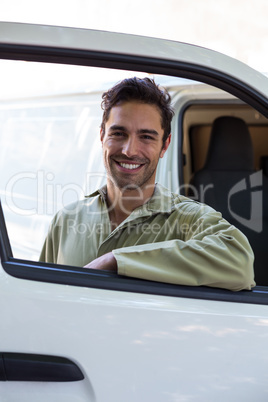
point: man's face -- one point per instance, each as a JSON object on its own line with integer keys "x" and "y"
{"x": 132, "y": 145}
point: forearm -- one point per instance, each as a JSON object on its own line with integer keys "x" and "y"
{"x": 223, "y": 260}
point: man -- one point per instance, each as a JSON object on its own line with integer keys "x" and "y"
{"x": 135, "y": 227}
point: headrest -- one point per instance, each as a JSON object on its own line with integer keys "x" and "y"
{"x": 230, "y": 145}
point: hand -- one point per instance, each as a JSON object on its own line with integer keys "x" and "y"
{"x": 106, "y": 262}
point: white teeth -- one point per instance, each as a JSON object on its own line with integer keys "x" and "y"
{"x": 128, "y": 166}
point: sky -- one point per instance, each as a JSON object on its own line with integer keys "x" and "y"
{"x": 238, "y": 28}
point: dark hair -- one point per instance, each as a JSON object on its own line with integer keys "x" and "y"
{"x": 142, "y": 90}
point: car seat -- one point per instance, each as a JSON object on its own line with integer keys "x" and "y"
{"x": 229, "y": 183}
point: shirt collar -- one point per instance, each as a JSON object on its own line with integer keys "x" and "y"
{"x": 162, "y": 200}
{"x": 101, "y": 191}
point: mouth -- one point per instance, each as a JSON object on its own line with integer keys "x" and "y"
{"x": 129, "y": 166}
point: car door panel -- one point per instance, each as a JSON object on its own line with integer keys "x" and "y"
{"x": 131, "y": 345}
{"x": 130, "y": 340}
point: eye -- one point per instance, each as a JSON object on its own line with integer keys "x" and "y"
{"x": 147, "y": 137}
{"x": 117, "y": 134}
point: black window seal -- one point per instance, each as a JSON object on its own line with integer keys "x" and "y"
{"x": 5, "y": 247}
{"x": 81, "y": 277}
{"x": 138, "y": 63}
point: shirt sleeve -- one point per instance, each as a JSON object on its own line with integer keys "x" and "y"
{"x": 47, "y": 253}
{"x": 214, "y": 254}
{"x": 50, "y": 248}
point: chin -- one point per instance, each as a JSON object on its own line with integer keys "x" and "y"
{"x": 127, "y": 186}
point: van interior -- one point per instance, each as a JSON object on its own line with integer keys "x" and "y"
{"x": 225, "y": 154}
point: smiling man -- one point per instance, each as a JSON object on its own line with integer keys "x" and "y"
{"x": 136, "y": 227}
{"x": 132, "y": 142}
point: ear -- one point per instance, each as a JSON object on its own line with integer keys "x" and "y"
{"x": 101, "y": 135}
{"x": 165, "y": 147}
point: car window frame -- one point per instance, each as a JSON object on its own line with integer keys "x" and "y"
{"x": 77, "y": 276}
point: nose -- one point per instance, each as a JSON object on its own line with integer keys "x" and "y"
{"x": 130, "y": 147}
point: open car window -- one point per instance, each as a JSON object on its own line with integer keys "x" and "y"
{"x": 50, "y": 116}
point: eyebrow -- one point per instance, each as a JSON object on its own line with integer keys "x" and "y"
{"x": 141, "y": 131}
{"x": 117, "y": 127}
{"x": 148, "y": 131}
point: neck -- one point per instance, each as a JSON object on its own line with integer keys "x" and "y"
{"x": 121, "y": 202}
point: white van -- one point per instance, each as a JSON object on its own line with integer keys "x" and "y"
{"x": 72, "y": 334}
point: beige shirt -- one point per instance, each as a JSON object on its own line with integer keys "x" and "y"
{"x": 169, "y": 239}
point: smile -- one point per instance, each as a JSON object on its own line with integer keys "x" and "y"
{"x": 129, "y": 166}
